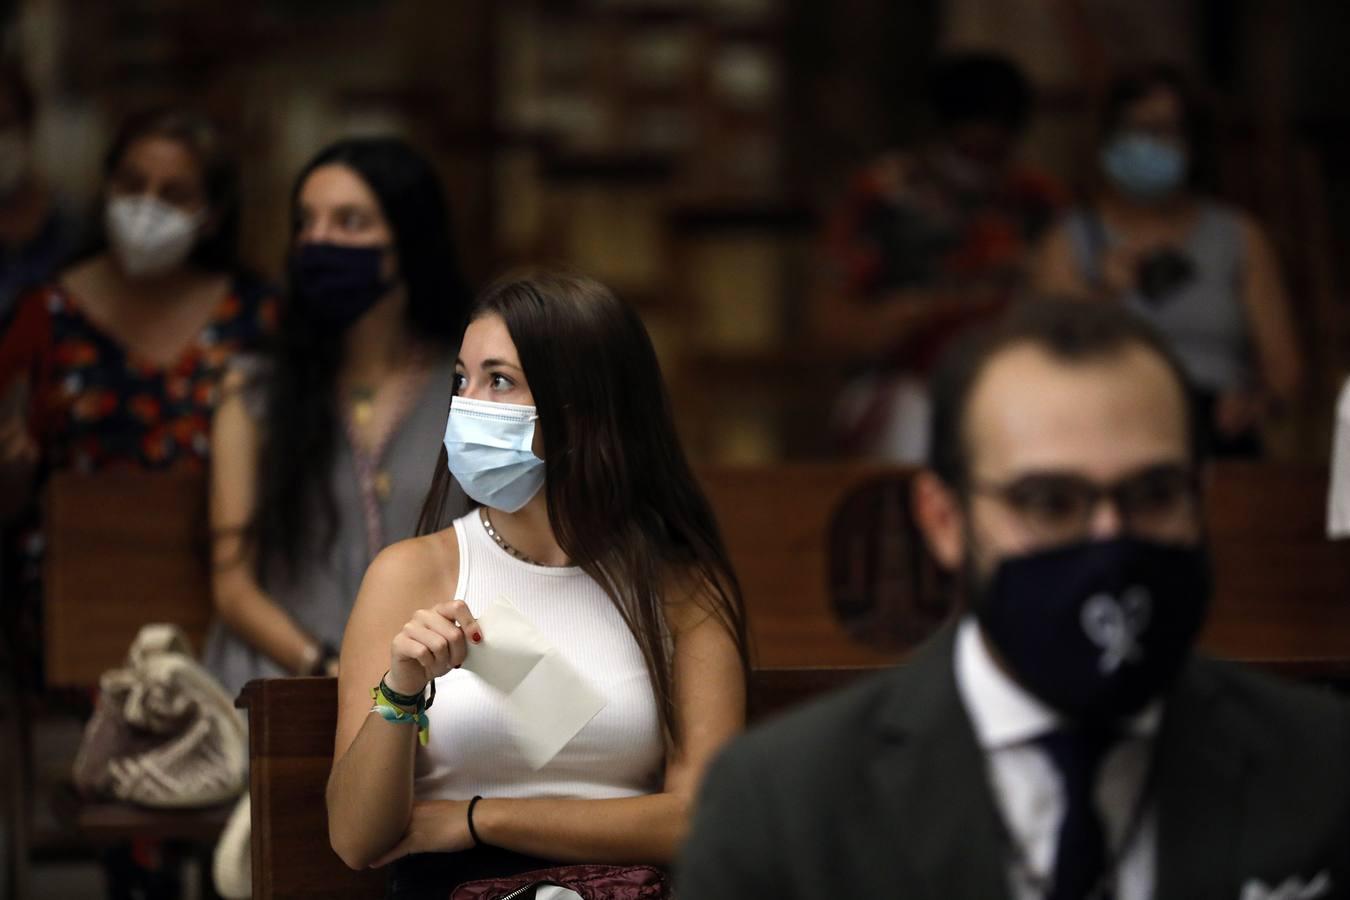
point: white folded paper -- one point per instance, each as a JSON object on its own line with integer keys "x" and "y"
{"x": 549, "y": 700}
{"x": 1338, "y": 500}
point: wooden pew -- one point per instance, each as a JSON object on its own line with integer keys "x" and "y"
{"x": 776, "y": 521}
{"x": 131, "y": 548}
{"x": 291, "y": 727}
{"x": 1281, "y": 602}
{"x": 1282, "y": 590}
{"x": 123, "y": 549}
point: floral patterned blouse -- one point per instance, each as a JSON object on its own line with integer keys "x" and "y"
{"x": 903, "y": 224}
{"x": 95, "y": 404}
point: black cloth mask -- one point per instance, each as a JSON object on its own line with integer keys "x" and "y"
{"x": 1100, "y": 628}
{"x": 337, "y": 284}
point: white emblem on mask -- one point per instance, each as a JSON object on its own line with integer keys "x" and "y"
{"x": 1114, "y": 625}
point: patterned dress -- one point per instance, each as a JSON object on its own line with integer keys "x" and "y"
{"x": 95, "y": 405}
{"x": 907, "y": 228}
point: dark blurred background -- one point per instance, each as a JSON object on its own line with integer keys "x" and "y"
{"x": 686, "y": 150}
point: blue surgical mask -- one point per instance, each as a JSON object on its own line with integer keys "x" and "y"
{"x": 1143, "y": 166}
{"x": 490, "y": 451}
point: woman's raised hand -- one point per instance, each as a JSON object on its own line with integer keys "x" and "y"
{"x": 431, "y": 643}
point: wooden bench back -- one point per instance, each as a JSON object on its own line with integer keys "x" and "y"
{"x": 1281, "y": 592}
{"x": 777, "y": 523}
{"x": 129, "y": 548}
{"x": 291, "y": 727}
{"x": 123, "y": 549}
{"x": 1281, "y": 586}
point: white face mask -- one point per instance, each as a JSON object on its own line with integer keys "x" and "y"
{"x": 13, "y": 160}
{"x": 150, "y": 236}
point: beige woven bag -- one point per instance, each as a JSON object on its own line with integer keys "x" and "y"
{"x": 164, "y": 733}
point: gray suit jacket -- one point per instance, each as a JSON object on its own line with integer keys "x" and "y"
{"x": 881, "y": 791}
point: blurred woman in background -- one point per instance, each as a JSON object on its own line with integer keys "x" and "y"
{"x": 116, "y": 363}
{"x": 1203, "y": 273}
{"x": 322, "y": 449}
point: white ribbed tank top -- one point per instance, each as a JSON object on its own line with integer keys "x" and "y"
{"x": 619, "y": 753}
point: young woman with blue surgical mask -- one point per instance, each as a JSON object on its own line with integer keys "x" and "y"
{"x": 323, "y": 445}
{"x": 1204, "y": 273}
{"x": 591, "y": 536}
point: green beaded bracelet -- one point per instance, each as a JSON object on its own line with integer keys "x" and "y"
{"x": 391, "y": 713}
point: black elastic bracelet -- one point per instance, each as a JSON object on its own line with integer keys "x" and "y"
{"x": 472, "y": 833}
{"x": 398, "y": 699}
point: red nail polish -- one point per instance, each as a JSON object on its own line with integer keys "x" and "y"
{"x": 477, "y": 637}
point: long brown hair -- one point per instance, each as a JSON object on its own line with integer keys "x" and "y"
{"x": 622, "y": 501}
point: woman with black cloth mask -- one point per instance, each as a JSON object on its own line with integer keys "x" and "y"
{"x": 1202, "y": 272}
{"x": 324, "y": 447}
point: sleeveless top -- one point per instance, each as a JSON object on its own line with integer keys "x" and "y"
{"x": 1204, "y": 320}
{"x": 619, "y": 753}
{"x": 320, "y": 593}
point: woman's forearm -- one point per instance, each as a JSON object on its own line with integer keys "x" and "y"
{"x": 647, "y": 829}
{"x": 370, "y": 791}
{"x": 259, "y": 621}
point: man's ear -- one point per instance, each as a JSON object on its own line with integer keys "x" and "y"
{"x": 937, "y": 510}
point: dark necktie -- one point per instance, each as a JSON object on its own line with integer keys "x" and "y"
{"x": 1080, "y": 858}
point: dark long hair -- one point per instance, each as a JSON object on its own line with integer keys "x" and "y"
{"x": 622, "y": 500}
{"x": 217, "y": 251}
{"x": 296, "y": 512}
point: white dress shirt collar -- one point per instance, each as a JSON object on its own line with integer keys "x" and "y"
{"x": 1004, "y": 713}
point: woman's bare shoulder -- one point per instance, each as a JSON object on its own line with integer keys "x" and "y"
{"x": 404, "y": 577}
{"x": 427, "y": 562}
{"x": 690, "y": 599}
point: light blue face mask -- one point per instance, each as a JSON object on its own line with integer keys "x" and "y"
{"x": 489, "y": 447}
{"x": 1144, "y": 166}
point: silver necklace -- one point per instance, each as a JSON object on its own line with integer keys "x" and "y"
{"x": 492, "y": 533}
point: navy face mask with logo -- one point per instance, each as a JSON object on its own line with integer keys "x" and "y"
{"x": 1099, "y": 628}
{"x": 337, "y": 284}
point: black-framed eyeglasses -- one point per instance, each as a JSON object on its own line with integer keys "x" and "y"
{"x": 1058, "y": 506}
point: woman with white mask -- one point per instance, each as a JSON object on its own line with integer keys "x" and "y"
{"x": 580, "y": 634}
{"x": 1202, "y": 272}
{"x": 116, "y": 363}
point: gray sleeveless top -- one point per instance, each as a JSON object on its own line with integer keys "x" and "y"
{"x": 319, "y": 596}
{"x": 1205, "y": 320}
